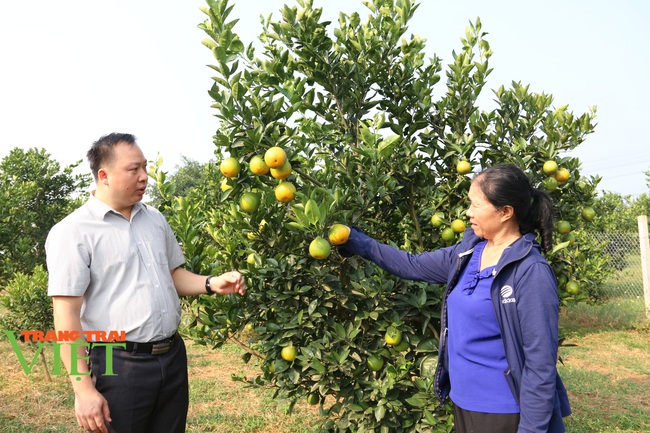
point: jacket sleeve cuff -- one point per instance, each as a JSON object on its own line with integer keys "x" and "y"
{"x": 355, "y": 243}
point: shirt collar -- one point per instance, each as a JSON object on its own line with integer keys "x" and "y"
{"x": 100, "y": 209}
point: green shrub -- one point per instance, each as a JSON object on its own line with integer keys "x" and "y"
{"x": 28, "y": 306}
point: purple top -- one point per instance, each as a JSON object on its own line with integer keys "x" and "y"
{"x": 477, "y": 359}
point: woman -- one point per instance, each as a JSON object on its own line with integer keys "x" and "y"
{"x": 499, "y": 339}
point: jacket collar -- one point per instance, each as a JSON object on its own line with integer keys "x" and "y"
{"x": 516, "y": 251}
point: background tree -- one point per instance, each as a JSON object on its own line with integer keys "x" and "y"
{"x": 35, "y": 193}
{"x": 618, "y": 213}
{"x": 614, "y": 212}
{"x": 370, "y": 145}
{"x": 641, "y": 206}
{"x": 187, "y": 176}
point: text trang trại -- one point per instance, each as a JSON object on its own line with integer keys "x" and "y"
{"x": 74, "y": 339}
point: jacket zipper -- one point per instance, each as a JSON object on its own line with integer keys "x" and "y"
{"x": 443, "y": 334}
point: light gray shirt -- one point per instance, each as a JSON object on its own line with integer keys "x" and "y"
{"x": 122, "y": 269}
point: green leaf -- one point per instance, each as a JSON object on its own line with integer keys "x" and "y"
{"x": 339, "y": 330}
{"x": 312, "y": 307}
{"x": 318, "y": 366}
{"x": 422, "y": 298}
{"x": 380, "y": 413}
{"x": 387, "y": 146}
{"x": 368, "y": 137}
{"x": 427, "y": 345}
{"x": 300, "y": 217}
{"x": 312, "y": 212}
{"x": 219, "y": 54}
{"x": 560, "y": 246}
{"x": 237, "y": 46}
{"x": 296, "y": 225}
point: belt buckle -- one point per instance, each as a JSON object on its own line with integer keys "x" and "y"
{"x": 160, "y": 348}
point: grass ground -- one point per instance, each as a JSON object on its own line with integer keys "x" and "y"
{"x": 29, "y": 403}
{"x": 607, "y": 370}
{"x": 606, "y": 367}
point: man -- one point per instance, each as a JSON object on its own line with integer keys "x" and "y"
{"x": 114, "y": 265}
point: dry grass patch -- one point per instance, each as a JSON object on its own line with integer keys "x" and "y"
{"x": 217, "y": 403}
{"x": 29, "y": 402}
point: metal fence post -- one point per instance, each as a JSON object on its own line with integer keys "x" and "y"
{"x": 645, "y": 260}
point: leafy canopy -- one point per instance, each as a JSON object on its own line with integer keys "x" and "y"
{"x": 353, "y": 105}
{"x": 35, "y": 193}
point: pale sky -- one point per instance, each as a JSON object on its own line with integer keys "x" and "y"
{"x": 74, "y": 70}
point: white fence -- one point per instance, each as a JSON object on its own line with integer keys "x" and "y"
{"x": 629, "y": 261}
{"x": 622, "y": 249}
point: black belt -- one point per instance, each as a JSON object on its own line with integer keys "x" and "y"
{"x": 153, "y": 347}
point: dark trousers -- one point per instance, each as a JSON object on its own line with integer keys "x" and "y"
{"x": 467, "y": 421}
{"x": 148, "y": 393}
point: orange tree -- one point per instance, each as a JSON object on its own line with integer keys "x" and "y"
{"x": 368, "y": 144}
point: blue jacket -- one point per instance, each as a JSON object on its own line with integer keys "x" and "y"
{"x": 524, "y": 294}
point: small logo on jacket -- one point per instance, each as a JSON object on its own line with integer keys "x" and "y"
{"x": 506, "y": 293}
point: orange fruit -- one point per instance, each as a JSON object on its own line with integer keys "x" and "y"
{"x": 562, "y": 175}
{"x": 563, "y": 227}
{"x": 249, "y": 202}
{"x": 289, "y": 353}
{"x": 458, "y": 226}
{"x": 550, "y": 184}
{"x": 275, "y": 157}
{"x": 375, "y": 363}
{"x": 338, "y": 234}
{"x": 230, "y": 167}
{"x": 569, "y": 237}
{"x": 549, "y": 168}
{"x": 313, "y": 398}
{"x": 282, "y": 172}
{"x": 251, "y": 258}
{"x": 573, "y": 287}
{"x": 258, "y": 166}
{"x": 463, "y": 167}
{"x": 285, "y": 192}
{"x": 393, "y": 336}
{"x": 588, "y": 213}
{"x": 319, "y": 248}
{"x": 448, "y": 235}
{"x": 582, "y": 184}
{"x": 437, "y": 219}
